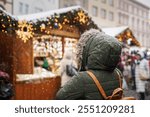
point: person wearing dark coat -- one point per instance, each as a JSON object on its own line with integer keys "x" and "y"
{"x": 99, "y": 53}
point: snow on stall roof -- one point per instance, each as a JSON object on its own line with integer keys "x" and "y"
{"x": 114, "y": 31}
{"x": 13, "y": 17}
{"x": 43, "y": 15}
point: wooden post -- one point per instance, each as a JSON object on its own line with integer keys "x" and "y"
{"x": 63, "y": 46}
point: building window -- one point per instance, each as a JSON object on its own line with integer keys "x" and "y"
{"x": 119, "y": 15}
{"x": 52, "y": 1}
{"x": 143, "y": 25}
{"x": 111, "y": 2}
{"x": 122, "y": 5}
{"x": 140, "y": 12}
{"x": 145, "y": 15}
{"x": 127, "y": 8}
{"x": 103, "y": 1}
{"x": 66, "y": 5}
{"x": 111, "y": 16}
{"x": 20, "y": 7}
{"x": 127, "y": 19}
{"x": 103, "y": 13}
{"x": 94, "y": 11}
{"x": 26, "y": 8}
{"x": 135, "y": 10}
{"x": 130, "y": 8}
{"x": 138, "y": 22}
{"x": 38, "y": 10}
{"x": 132, "y": 21}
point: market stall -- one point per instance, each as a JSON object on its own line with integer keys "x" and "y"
{"x": 124, "y": 34}
{"x": 28, "y": 43}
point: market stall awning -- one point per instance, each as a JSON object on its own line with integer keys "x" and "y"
{"x": 123, "y": 34}
{"x": 27, "y": 26}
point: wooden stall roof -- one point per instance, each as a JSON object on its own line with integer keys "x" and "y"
{"x": 124, "y": 31}
{"x": 28, "y": 25}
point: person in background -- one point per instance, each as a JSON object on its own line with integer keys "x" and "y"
{"x": 45, "y": 64}
{"x": 67, "y": 67}
{"x": 133, "y": 65}
{"x": 127, "y": 72}
{"x": 6, "y": 87}
{"x": 99, "y": 53}
{"x": 120, "y": 66}
{"x": 142, "y": 70}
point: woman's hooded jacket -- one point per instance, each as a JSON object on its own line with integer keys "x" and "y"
{"x": 99, "y": 53}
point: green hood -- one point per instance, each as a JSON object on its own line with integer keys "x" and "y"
{"x": 98, "y": 51}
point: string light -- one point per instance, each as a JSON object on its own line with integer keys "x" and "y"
{"x": 25, "y": 30}
{"x": 60, "y": 26}
{"x": 3, "y": 26}
{"x": 42, "y": 27}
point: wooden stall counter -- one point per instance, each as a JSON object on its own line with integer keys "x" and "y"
{"x": 36, "y": 86}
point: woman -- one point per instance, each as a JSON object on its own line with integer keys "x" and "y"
{"x": 99, "y": 53}
{"x": 142, "y": 70}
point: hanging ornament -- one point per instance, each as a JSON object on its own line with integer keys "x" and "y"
{"x": 25, "y": 30}
{"x": 55, "y": 25}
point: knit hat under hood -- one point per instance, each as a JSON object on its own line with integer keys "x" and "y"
{"x": 98, "y": 51}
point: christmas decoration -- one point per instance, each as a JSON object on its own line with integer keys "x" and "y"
{"x": 8, "y": 24}
{"x": 42, "y": 27}
{"x": 25, "y": 30}
{"x": 82, "y": 17}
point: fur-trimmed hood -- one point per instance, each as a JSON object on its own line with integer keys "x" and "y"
{"x": 98, "y": 51}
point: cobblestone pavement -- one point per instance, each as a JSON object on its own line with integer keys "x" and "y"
{"x": 133, "y": 93}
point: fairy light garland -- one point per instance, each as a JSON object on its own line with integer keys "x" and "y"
{"x": 25, "y": 30}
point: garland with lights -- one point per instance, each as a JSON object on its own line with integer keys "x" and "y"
{"x": 26, "y": 30}
{"x": 8, "y": 24}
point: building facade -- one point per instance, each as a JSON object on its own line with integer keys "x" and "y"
{"x": 22, "y": 7}
{"x": 135, "y": 15}
{"x": 105, "y": 13}
{"x": 7, "y": 5}
{"x": 111, "y": 13}
{"x": 102, "y": 11}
